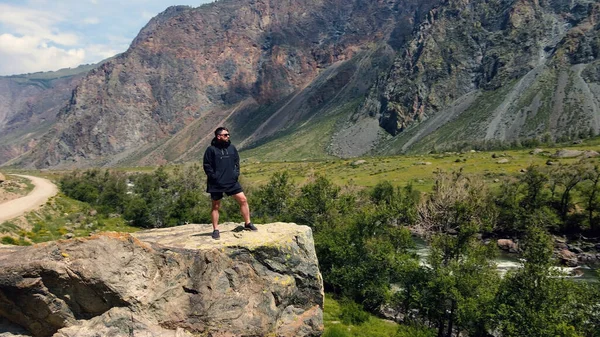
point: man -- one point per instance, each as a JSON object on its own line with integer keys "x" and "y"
{"x": 222, "y": 168}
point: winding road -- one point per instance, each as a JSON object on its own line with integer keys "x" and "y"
{"x": 43, "y": 190}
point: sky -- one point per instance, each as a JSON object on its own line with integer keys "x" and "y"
{"x": 45, "y": 35}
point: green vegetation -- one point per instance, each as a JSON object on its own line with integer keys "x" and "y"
{"x": 345, "y": 318}
{"x": 17, "y": 185}
{"x": 362, "y": 215}
{"x": 365, "y": 249}
{"x": 60, "y": 217}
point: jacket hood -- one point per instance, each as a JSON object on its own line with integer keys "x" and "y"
{"x": 220, "y": 145}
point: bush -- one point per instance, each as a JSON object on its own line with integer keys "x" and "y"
{"x": 7, "y": 240}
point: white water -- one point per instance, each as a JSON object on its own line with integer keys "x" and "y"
{"x": 506, "y": 262}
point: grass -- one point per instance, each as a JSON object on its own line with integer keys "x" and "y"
{"x": 17, "y": 185}
{"x": 333, "y": 318}
{"x": 418, "y": 170}
{"x": 60, "y": 215}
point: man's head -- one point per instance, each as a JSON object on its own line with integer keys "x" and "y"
{"x": 222, "y": 134}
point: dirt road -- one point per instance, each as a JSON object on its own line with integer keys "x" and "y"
{"x": 43, "y": 190}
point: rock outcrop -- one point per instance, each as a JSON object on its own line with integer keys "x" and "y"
{"x": 166, "y": 282}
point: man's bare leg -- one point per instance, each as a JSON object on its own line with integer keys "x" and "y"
{"x": 244, "y": 208}
{"x": 214, "y": 214}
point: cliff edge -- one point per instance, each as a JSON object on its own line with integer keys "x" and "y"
{"x": 165, "y": 282}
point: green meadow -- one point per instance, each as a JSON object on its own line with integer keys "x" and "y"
{"x": 417, "y": 170}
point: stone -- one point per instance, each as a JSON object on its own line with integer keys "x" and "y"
{"x": 536, "y": 151}
{"x": 568, "y": 258}
{"x": 588, "y": 259}
{"x": 567, "y": 153}
{"x": 575, "y": 249}
{"x": 508, "y": 245}
{"x": 359, "y": 162}
{"x": 590, "y": 154}
{"x": 167, "y": 282}
{"x": 2, "y": 178}
{"x": 503, "y": 161}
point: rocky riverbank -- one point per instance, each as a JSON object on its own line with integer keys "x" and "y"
{"x": 584, "y": 252}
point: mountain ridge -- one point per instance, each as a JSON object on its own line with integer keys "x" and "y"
{"x": 392, "y": 77}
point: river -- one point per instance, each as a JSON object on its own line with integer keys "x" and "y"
{"x": 506, "y": 262}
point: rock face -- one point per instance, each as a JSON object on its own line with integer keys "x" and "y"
{"x": 259, "y": 67}
{"x": 167, "y": 282}
{"x": 367, "y": 77}
{"x": 30, "y": 104}
{"x": 493, "y": 71}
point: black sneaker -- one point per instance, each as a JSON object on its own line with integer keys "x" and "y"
{"x": 216, "y": 235}
{"x": 250, "y": 226}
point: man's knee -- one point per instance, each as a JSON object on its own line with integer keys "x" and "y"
{"x": 241, "y": 198}
{"x": 216, "y": 205}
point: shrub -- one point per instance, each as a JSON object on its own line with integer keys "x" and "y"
{"x": 7, "y": 240}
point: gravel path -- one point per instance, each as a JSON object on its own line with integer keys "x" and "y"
{"x": 43, "y": 190}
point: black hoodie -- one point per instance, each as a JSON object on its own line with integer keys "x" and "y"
{"x": 222, "y": 166}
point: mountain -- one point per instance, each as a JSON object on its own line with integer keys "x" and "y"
{"x": 29, "y": 105}
{"x": 312, "y": 79}
{"x": 493, "y": 72}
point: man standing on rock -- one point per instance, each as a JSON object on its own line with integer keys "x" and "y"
{"x": 222, "y": 167}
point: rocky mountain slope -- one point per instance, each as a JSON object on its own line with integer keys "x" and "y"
{"x": 29, "y": 105}
{"x": 305, "y": 79}
{"x": 165, "y": 282}
{"x": 494, "y": 71}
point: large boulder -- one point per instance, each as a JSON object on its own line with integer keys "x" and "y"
{"x": 568, "y": 258}
{"x": 567, "y": 153}
{"x": 167, "y": 282}
{"x": 508, "y": 245}
{"x": 2, "y": 178}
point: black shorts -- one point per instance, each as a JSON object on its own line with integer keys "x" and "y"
{"x": 219, "y": 195}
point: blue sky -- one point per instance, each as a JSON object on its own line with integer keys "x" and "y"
{"x": 43, "y": 35}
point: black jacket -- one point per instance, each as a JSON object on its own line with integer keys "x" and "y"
{"x": 222, "y": 166}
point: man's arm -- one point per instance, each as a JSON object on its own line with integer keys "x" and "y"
{"x": 208, "y": 163}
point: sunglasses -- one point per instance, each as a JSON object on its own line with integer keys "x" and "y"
{"x": 224, "y": 135}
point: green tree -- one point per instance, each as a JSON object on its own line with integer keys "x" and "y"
{"x": 273, "y": 201}
{"x": 461, "y": 275}
{"x": 535, "y": 301}
{"x": 318, "y": 203}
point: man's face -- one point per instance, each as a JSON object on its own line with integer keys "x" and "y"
{"x": 223, "y": 136}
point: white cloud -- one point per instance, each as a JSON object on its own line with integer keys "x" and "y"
{"x": 97, "y": 52}
{"x": 40, "y": 35}
{"x": 27, "y": 54}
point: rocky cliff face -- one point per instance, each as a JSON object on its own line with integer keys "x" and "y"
{"x": 167, "y": 282}
{"x": 259, "y": 67}
{"x": 493, "y": 71}
{"x": 368, "y": 77}
{"x": 28, "y": 108}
